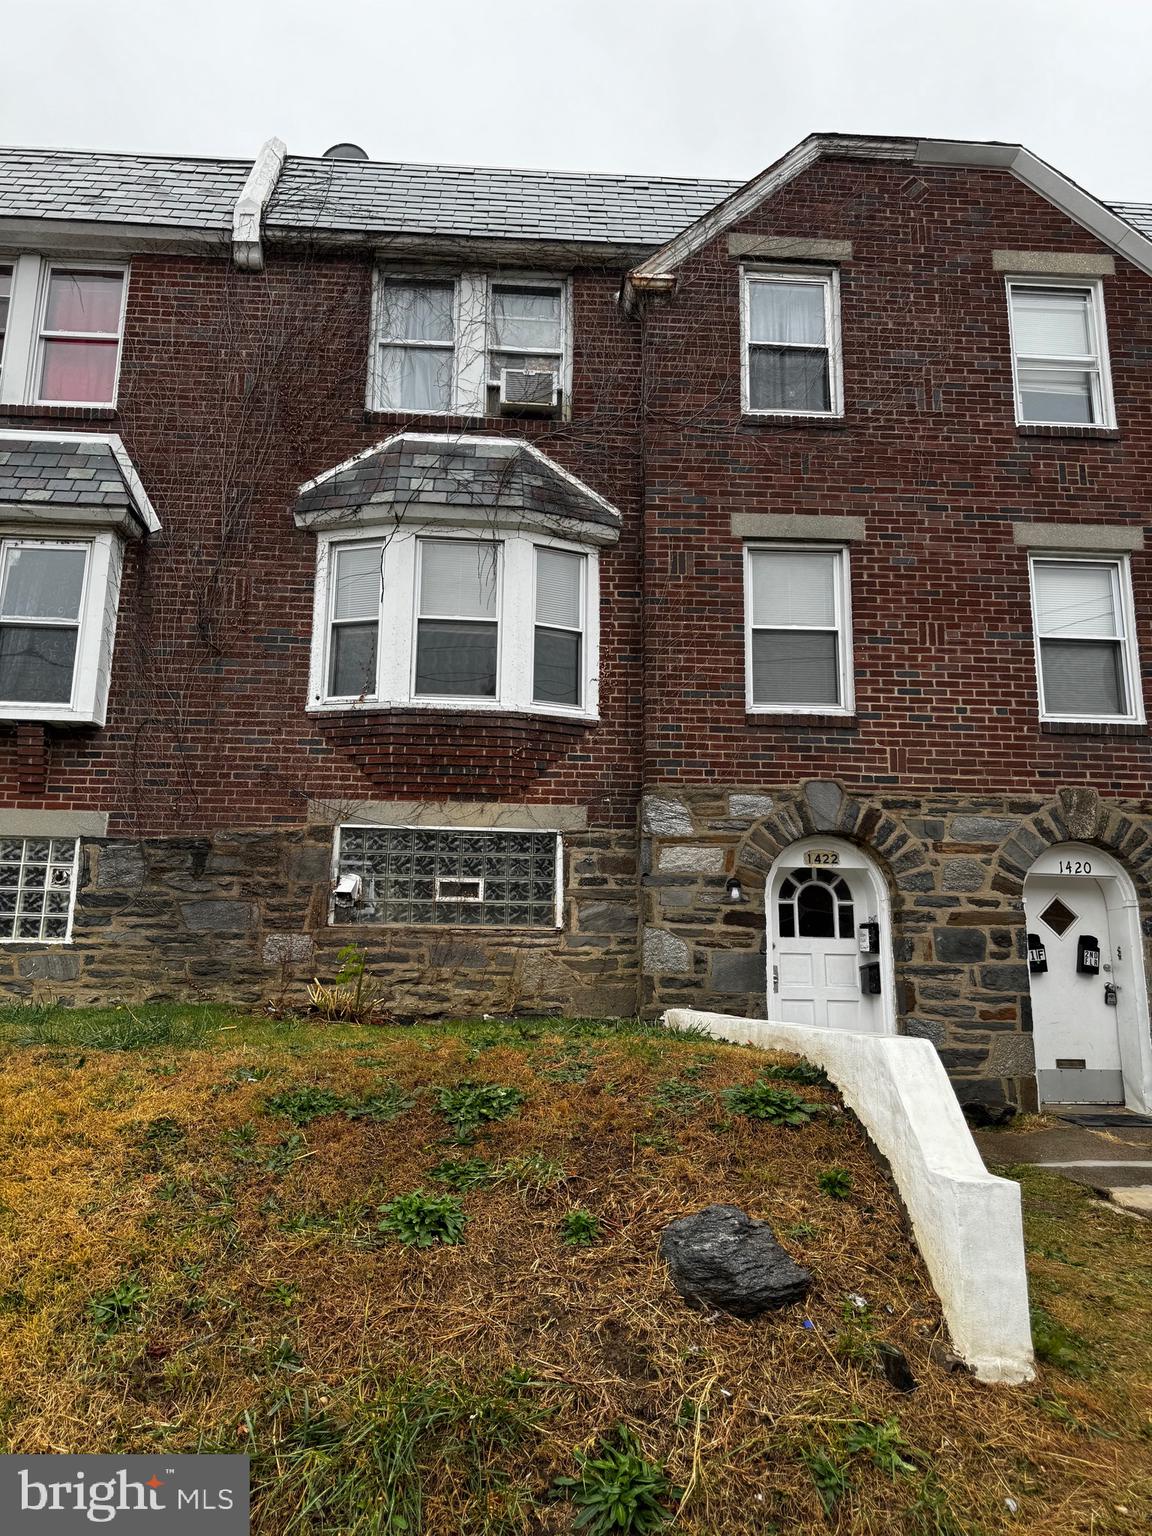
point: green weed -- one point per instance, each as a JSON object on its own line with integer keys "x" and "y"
{"x": 580, "y": 1228}
{"x": 836, "y": 1183}
{"x": 1058, "y": 1346}
{"x": 303, "y": 1105}
{"x": 468, "y": 1106}
{"x": 779, "y": 1106}
{"x": 618, "y": 1490}
{"x": 118, "y": 1307}
{"x": 420, "y": 1221}
{"x": 463, "y": 1174}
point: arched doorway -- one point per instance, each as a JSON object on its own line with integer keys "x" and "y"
{"x": 829, "y": 939}
{"x": 1086, "y": 978}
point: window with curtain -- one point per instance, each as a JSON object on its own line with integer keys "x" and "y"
{"x": 524, "y": 329}
{"x": 80, "y": 328}
{"x": 416, "y": 353}
{"x": 41, "y": 604}
{"x": 505, "y": 621}
{"x": 798, "y": 642}
{"x": 1059, "y": 359}
{"x": 792, "y": 343}
{"x": 1084, "y": 639}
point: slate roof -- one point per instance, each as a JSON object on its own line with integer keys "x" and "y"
{"x": 1137, "y": 214}
{"x": 119, "y": 189}
{"x": 364, "y": 196}
{"x": 501, "y": 474}
{"x": 48, "y": 474}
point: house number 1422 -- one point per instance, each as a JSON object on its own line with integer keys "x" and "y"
{"x": 1074, "y": 867}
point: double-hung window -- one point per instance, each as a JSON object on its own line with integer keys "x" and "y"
{"x": 446, "y": 618}
{"x": 798, "y": 632}
{"x": 57, "y": 620}
{"x": 1085, "y": 639}
{"x": 440, "y": 344}
{"x": 416, "y": 345}
{"x": 792, "y": 343}
{"x": 61, "y": 332}
{"x": 1060, "y": 353}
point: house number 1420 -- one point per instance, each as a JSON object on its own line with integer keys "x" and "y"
{"x": 1074, "y": 867}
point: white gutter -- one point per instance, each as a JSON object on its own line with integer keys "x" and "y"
{"x": 248, "y": 214}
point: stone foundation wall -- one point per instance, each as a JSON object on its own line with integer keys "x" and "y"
{"x": 954, "y": 865}
{"x": 242, "y": 916}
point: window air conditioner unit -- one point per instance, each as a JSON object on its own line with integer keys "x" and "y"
{"x": 527, "y": 390}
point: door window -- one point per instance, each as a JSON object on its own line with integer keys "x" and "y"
{"x": 814, "y": 904}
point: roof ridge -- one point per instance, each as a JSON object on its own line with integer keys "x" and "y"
{"x": 122, "y": 154}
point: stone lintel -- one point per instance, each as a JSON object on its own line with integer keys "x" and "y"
{"x": 17, "y": 823}
{"x": 789, "y": 248}
{"x": 1055, "y": 263}
{"x": 451, "y": 813}
{"x": 796, "y": 525}
{"x": 1077, "y": 536}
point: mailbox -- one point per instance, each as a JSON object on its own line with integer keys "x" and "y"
{"x": 870, "y": 978}
{"x": 1088, "y": 955}
{"x": 869, "y": 936}
{"x": 1037, "y": 955}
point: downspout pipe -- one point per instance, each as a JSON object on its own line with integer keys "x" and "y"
{"x": 255, "y": 195}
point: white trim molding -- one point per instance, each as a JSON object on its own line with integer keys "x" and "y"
{"x": 1094, "y": 364}
{"x": 840, "y": 626}
{"x": 1121, "y": 633}
{"x": 827, "y": 280}
{"x": 967, "y": 1223}
{"x": 657, "y": 274}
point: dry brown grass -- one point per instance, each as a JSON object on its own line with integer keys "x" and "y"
{"x": 268, "y": 1287}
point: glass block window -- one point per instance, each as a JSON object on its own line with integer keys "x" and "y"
{"x": 37, "y": 887}
{"x": 457, "y": 877}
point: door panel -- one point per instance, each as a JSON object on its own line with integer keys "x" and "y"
{"x": 815, "y": 952}
{"x": 1074, "y": 1030}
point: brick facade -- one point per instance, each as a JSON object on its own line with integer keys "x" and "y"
{"x": 237, "y": 387}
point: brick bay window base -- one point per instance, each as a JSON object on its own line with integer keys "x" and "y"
{"x": 1008, "y": 931}
{"x": 459, "y": 909}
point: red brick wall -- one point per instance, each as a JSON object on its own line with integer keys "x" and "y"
{"x": 235, "y": 388}
{"x": 928, "y": 454}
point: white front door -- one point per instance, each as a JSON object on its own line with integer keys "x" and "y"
{"x": 815, "y": 954}
{"x": 1074, "y": 1028}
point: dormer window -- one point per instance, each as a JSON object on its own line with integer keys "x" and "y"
{"x": 61, "y": 330}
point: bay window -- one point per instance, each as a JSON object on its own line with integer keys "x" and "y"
{"x": 1059, "y": 353}
{"x": 791, "y": 343}
{"x": 451, "y": 618}
{"x": 57, "y": 620}
{"x": 1086, "y": 661}
{"x": 61, "y": 330}
{"x": 798, "y": 630}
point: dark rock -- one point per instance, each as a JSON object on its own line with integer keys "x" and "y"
{"x": 984, "y": 1116}
{"x": 721, "y": 1258}
{"x": 894, "y": 1364}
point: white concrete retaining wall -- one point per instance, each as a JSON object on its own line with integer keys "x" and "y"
{"x": 967, "y": 1223}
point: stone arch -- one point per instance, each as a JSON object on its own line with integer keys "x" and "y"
{"x": 823, "y": 805}
{"x": 1076, "y": 814}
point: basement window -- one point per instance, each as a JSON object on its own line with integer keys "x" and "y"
{"x": 37, "y": 888}
{"x": 458, "y": 877}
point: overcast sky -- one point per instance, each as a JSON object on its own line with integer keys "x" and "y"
{"x": 698, "y": 87}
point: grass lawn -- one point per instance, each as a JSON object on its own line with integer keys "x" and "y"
{"x": 414, "y": 1273}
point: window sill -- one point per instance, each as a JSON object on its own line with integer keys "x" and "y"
{"x": 1082, "y": 433}
{"x": 489, "y": 931}
{"x": 455, "y": 421}
{"x": 767, "y": 720}
{"x": 26, "y": 714}
{"x": 61, "y": 412}
{"x": 1093, "y": 728}
{"x": 790, "y": 422}
{"x": 449, "y": 707}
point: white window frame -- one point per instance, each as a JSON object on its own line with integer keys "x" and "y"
{"x": 829, "y": 279}
{"x": 21, "y": 365}
{"x": 96, "y": 634}
{"x": 472, "y": 335}
{"x": 433, "y": 535}
{"x": 375, "y": 826}
{"x": 9, "y": 264}
{"x": 28, "y": 837}
{"x": 1103, "y": 369}
{"x": 842, "y": 592}
{"x": 1121, "y": 568}
{"x": 398, "y": 613}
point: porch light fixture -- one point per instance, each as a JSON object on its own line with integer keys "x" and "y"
{"x": 735, "y": 890}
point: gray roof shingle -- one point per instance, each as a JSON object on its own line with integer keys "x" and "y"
{"x": 1138, "y": 214}
{"x": 80, "y": 473}
{"x": 119, "y": 189}
{"x": 504, "y": 476}
{"x": 364, "y": 196}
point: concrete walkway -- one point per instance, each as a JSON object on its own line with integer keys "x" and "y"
{"x": 1116, "y": 1162}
